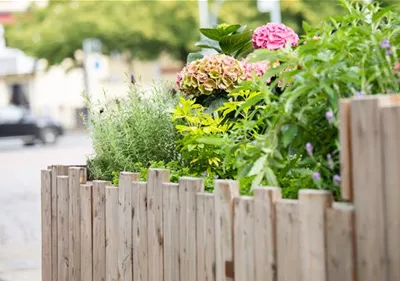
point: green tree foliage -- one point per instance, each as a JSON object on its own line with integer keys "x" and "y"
{"x": 144, "y": 29}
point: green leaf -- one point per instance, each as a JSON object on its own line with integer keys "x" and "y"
{"x": 215, "y": 104}
{"x": 382, "y": 13}
{"x": 251, "y": 101}
{"x": 306, "y": 27}
{"x": 209, "y": 44}
{"x": 271, "y": 178}
{"x": 291, "y": 100}
{"x": 232, "y": 28}
{"x": 258, "y": 166}
{"x": 257, "y": 180}
{"x": 194, "y": 56}
{"x": 241, "y": 29}
{"x": 217, "y": 141}
{"x": 244, "y": 171}
{"x": 289, "y": 134}
{"x": 232, "y": 43}
{"x": 218, "y": 33}
{"x": 244, "y": 51}
{"x": 191, "y": 147}
{"x": 212, "y": 33}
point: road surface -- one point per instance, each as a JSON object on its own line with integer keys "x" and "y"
{"x": 20, "y": 200}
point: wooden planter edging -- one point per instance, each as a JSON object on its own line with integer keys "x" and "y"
{"x": 161, "y": 231}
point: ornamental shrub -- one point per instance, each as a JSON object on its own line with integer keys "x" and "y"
{"x": 134, "y": 129}
{"x": 285, "y": 132}
{"x": 348, "y": 56}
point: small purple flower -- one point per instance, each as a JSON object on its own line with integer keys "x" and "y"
{"x": 359, "y": 94}
{"x": 329, "y": 115}
{"x": 316, "y": 176}
{"x": 216, "y": 177}
{"x": 330, "y": 161}
{"x": 204, "y": 174}
{"x": 337, "y": 179}
{"x": 310, "y": 149}
{"x": 385, "y": 44}
{"x": 389, "y": 52}
{"x": 132, "y": 78}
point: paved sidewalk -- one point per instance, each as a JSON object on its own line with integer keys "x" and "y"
{"x": 20, "y": 263}
{"x": 20, "y": 206}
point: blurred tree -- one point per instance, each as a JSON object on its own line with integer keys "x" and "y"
{"x": 143, "y": 29}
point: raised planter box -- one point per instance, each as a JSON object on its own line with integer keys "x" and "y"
{"x": 161, "y": 231}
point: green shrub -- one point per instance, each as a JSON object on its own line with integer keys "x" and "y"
{"x": 289, "y": 138}
{"x": 135, "y": 129}
{"x": 348, "y": 56}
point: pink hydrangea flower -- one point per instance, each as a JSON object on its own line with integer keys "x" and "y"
{"x": 256, "y": 68}
{"x": 210, "y": 74}
{"x": 273, "y": 36}
{"x": 179, "y": 77}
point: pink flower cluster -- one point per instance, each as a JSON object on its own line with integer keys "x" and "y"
{"x": 273, "y": 36}
{"x": 256, "y": 68}
{"x": 210, "y": 74}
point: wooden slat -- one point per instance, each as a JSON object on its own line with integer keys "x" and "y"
{"x": 171, "y": 231}
{"x": 391, "y": 175}
{"x": 345, "y": 149}
{"x": 86, "y": 232}
{"x": 99, "y": 231}
{"x": 140, "y": 256}
{"x": 112, "y": 231}
{"x": 56, "y": 170}
{"x": 312, "y": 206}
{"x": 154, "y": 223}
{"x": 244, "y": 243}
{"x": 125, "y": 225}
{"x": 366, "y": 148}
{"x": 46, "y": 224}
{"x": 82, "y": 174}
{"x": 288, "y": 240}
{"x": 201, "y": 235}
{"x": 265, "y": 232}
{"x": 210, "y": 262}
{"x": 340, "y": 242}
{"x": 188, "y": 187}
{"x": 223, "y": 194}
{"x": 62, "y": 227}
{"x": 76, "y": 177}
{"x": 205, "y": 225}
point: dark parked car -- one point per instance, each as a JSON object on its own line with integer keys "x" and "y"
{"x": 16, "y": 122}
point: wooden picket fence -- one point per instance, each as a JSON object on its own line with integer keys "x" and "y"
{"x": 161, "y": 231}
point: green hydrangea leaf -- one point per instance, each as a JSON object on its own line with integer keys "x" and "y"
{"x": 232, "y": 43}
{"x": 209, "y": 44}
{"x": 218, "y": 33}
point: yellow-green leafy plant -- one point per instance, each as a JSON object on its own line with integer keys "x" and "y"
{"x": 193, "y": 123}
{"x": 210, "y": 141}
